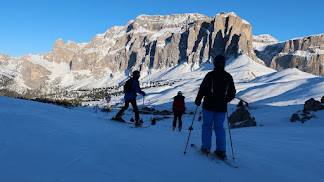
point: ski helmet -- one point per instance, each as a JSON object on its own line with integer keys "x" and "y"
{"x": 136, "y": 74}
{"x": 179, "y": 93}
{"x": 219, "y": 59}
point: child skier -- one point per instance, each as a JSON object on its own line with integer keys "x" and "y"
{"x": 178, "y": 109}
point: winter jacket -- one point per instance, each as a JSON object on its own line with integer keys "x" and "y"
{"x": 136, "y": 89}
{"x": 179, "y": 104}
{"x": 217, "y": 89}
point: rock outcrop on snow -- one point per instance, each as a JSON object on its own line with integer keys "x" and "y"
{"x": 313, "y": 105}
{"x": 241, "y": 118}
{"x": 310, "y": 107}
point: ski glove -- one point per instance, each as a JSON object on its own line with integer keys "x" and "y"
{"x": 143, "y": 93}
{"x": 197, "y": 102}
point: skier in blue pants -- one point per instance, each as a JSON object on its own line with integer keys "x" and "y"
{"x": 217, "y": 89}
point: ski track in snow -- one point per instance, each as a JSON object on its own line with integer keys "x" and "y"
{"x": 44, "y": 142}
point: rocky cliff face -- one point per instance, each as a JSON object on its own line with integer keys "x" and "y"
{"x": 153, "y": 42}
{"x": 306, "y": 54}
{"x": 148, "y": 42}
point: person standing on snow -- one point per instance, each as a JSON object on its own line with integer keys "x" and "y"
{"x": 131, "y": 87}
{"x": 178, "y": 109}
{"x": 217, "y": 89}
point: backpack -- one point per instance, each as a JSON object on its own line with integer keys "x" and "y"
{"x": 128, "y": 87}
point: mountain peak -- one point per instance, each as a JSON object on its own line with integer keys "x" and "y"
{"x": 265, "y": 38}
{"x": 224, "y": 14}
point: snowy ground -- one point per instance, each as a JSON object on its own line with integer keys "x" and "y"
{"x": 44, "y": 142}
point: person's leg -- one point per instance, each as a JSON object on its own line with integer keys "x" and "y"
{"x": 206, "y": 135}
{"x": 174, "y": 119}
{"x": 180, "y": 121}
{"x": 120, "y": 113}
{"x": 133, "y": 102}
{"x": 219, "y": 119}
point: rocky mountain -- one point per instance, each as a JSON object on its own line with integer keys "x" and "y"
{"x": 305, "y": 54}
{"x": 151, "y": 43}
{"x": 146, "y": 43}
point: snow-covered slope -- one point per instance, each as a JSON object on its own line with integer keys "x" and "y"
{"x": 41, "y": 142}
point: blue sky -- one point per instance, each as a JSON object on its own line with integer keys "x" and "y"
{"x": 34, "y": 26}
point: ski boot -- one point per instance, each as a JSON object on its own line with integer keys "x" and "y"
{"x": 179, "y": 129}
{"x": 205, "y": 151}
{"x": 173, "y": 128}
{"x": 221, "y": 154}
{"x": 119, "y": 118}
{"x": 138, "y": 123}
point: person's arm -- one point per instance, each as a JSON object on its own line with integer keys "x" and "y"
{"x": 231, "y": 91}
{"x": 202, "y": 90}
{"x": 173, "y": 104}
{"x": 138, "y": 88}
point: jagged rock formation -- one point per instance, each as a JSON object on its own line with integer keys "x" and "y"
{"x": 153, "y": 42}
{"x": 306, "y": 54}
{"x": 63, "y": 53}
{"x": 148, "y": 42}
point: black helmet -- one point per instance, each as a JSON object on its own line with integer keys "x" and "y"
{"x": 136, "y": 74}
{"x": 219, "y": 59}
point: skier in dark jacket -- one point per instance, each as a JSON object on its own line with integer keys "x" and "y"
{"x": 130, "y": 97}
{"x": 217, "y": 89}
{"x": 178, "y": 109}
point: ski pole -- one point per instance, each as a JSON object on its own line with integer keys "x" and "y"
{"x": 190, "y": 129}
{"x": 229, "y": 130}
{"x": 143, "y": 101}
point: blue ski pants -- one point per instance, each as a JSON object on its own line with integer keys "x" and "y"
{"x": 217, "y": 119}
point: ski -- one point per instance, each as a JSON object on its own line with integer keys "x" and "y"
{"x": 214, "y": 157}
{"x": 139, "y": 126}
{"x": 206, "y": 155}
{"x": 116, "y": 120}
{"x": 226, "y": 161}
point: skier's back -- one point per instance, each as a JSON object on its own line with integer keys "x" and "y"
{"x": 217, "y": 89}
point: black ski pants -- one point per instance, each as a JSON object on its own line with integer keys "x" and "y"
{"x": 177, "y": 116}
{"x": 133, "y": 102}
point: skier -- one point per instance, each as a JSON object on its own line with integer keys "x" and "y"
{"x": 178, "y": 109}
{"x": 217, "y": 89}
{"x": 131, "y": 88}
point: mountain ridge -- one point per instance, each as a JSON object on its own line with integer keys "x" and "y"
{"x": 149, "y": 42}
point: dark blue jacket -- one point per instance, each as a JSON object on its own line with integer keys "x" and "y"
{"x": 135, "y": 89}
{"x": 217, "y": 89}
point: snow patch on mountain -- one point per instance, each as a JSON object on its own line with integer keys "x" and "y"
{"x": 263, "y": 40}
